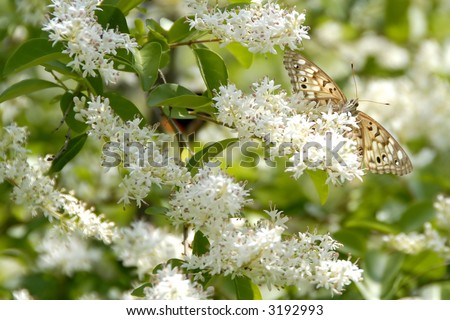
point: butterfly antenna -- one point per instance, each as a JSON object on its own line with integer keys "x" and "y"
{"x": 354, "y": 80}
{"x": 356, "y": 89}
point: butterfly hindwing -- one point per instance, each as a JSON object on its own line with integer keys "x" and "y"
{"x": 381, "y": 152}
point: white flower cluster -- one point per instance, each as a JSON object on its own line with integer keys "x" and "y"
{"x": 36, "y": 190}
{"x": 259, "y": 26}
{"x": 442, "y": 206}
{"x": 148, "y": 164}
{"x": 257, "y": 251}
{"x": 144, "y": 247}
{"x": 86, "y": 42}
{"x": 31, "y": 11}
{"x": 309, "y": 141}
{"x": 66, "y": 253}
{"x": 261, "y": 253}
{"x": 170, "y": 284}
{"x": 208, "y": 201}
{"x": 414, "y": 243}
{"x": 22, "y": 294}
{"x": 430, "y": 239}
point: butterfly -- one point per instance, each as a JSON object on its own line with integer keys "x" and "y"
{"x": 379, "y": 150}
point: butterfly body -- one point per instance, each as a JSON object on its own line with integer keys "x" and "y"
{"x": 379, "y": 150}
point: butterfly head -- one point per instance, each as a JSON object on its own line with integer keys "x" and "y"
{"x": 351, "y": 106}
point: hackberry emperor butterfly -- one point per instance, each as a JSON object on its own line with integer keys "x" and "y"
{"x": 380, "y": 152}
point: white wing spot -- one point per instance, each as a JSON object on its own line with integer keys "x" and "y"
{"x": 390, "y": 147}
{"x": 400, "y": 155}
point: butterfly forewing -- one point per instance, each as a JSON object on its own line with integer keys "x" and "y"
{"x": 380, "y": 151}
{"x": 308, "y": 78}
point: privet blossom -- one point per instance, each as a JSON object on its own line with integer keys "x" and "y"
{"x": 66, "y": 253}
{"x": 434, "y": 237}
{"x": 74, "y": 23}
{"x": 259, "y": 26}
{"x": 36, "y": 190}
{"x": 170, "y": 284}
{"x": 291, "y": 126}
{"x": 144, "y": 247}
{"x": 258, "y": 251}
{"x": 147, "y": 149}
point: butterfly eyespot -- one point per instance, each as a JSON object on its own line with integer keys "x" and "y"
{"x": 304, "y": 86}
{"x": 378, "y": 159}
{"x": 396, "y": 162}
{"x": 296, "y": 66}
{"x": 384, "y": 157}
{"x": 303, "y": 79}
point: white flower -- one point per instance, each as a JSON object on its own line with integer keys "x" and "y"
{"x": 414, "y": 243}
{"x": 144, "y": 247}
{"x": 87, "y": 43}
{"x": 442, "y": 206}
{"x": 261, "y": 253}
{"x": 259, "y": 26}
{"x": 316, "y": 139}
{"x": 208, "y": 201}
{"x": 22, "y": 294}
{"x": 141, "y": 150}
{"x": 31, "y": 11}
{"x": 66, "y": 253}
{"x": 335, "y": 275}
{"x": 34, "y": 189}
{"x": 170, "y": 284}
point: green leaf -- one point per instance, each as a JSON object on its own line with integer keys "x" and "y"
{"x": 71, "y": 150}
{"x": 354, "y": 242}
{"x": 319, "y": 178}
{"x": 246, "y": 289}
{"x": 95, "y": 84}
{"x": 147, "y": 64}
{"x": 26, "y": 87}
{"x": 415, "y": 216}
{"x": 160, "y": 94}
{"x": 60, "y": 67}
{"x": 124, "y": 61}
{"x": 207, "y": 153}
{"x": 154, "y": 210}
{"x": 66, "y": 104}
{"x": 112, "y": 18}
{"x": 426, "y": 264}
{"x": 178, "y": 113}
{"x": 382, "y": 272}
{"x": 212, "y": 67}
{"x": 241, "y": 53}
{"x": 124, "y": 5}
{"x": 187, "y": 101}
{"x": 371, "y": 225}
{"x": 33, "y": 53}
{"x": 180, "y": 31}
{"x": 139, "y": 291}
{"x": 124, "y": 108}
{"x": 174, "y": 263}
{"x": 153, "y": 25}
{"x": 200, "y": 244}
{"x": 158, "y": 34}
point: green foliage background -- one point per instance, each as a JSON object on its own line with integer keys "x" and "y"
{"x": 356, "y": 214}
